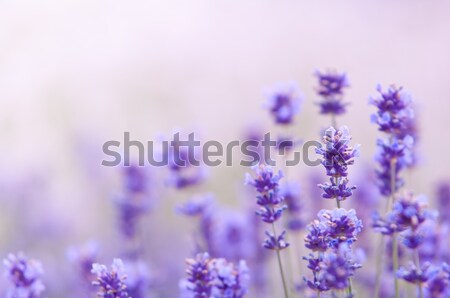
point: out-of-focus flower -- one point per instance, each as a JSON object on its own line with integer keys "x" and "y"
{"x": 24, "y": 276}
{"x": 185, "y": 168}
{"x": 135, "y": 199}
{"x": 415, "y": 275}
{"x": 331, "y": 89}
{"x": 82, "y": 258}
{"x": 443, "y": 201}
{"x": 408, "y": 211}
{"x": 231, "y": 280}
{"x": 139, "y": 278}
{"x": 388, "y": 151}
{"x": 284, "y": 103}
{"x": 202, "y": 207}
{"x": 110, "y": 282}
{"x": 437, "y": 285}
{"x": 291, "y": 194}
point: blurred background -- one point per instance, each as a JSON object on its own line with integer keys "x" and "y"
{"x": 74, "y": 74}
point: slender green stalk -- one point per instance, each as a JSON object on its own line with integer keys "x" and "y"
{"x": 350, "y": 288}
{"x": 395, "y": 263}
{"x": 280, "y": 265}
{"x": 417, "y": 263}
{"x": 379, "y": 266}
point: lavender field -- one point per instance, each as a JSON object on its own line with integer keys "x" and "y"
{"x": 224, "y": 149}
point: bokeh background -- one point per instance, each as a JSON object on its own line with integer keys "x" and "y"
{"x": 74, "y": 74}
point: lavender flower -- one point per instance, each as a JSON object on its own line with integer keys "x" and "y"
{"x": 201, "y": 276}
{"x": 316, "y": 238}
{"x": 273, "y": 242}
{"x": 231, "y": 280}
{"x": 337, "y": 154}
{"x": 139, "y": 279}
{"x": 24, "y": 276}
{"x": 415, "y": 275}
{"x": 332, "y": 270}
{"x": 291, "y": 194}
{"x": 407, "y": 212}
{"x": 270, "y": 201}
{"x": 342, "y": 226}
{"x": 437, "y": 285}
{"x": 110, "y": 282}
{"x": 443, "y": 200}
{"x": 331, "y": 89}
{"x": 82, "y": 258}
{"x": 394, "y": 110}
{"x": 392, "y": 153}
{"x": 394, "y": 117}
{"x": 184, "y": 166}
{"x": 284, "y": 103}
{"x": 134, "y": 201}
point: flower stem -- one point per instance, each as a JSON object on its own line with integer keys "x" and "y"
{"x": 395, "y": 263}
{"x": 349, "y": 289}
{"x": 280, "y": 265}
{"x": 379, "y": 266}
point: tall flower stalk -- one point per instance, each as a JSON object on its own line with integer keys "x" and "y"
{"x": 393, "y": 117}
{"x": 266, "y": 184}
{"x": 332, "y": 235}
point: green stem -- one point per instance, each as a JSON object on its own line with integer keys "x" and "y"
{"x": 280, "y": 265}
{"x": 349, "y": 289}
{"x": 379, "y": 266}
{"x": 395, "y": 263}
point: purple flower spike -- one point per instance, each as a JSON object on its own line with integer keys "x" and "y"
{"x": 340, "y": 191}
{"x": 201, "y": 276}
{"x": 394, "y": 110}
{"x": 415, "y": 275}
{"x": 231, "y": 280}
{"x": 275, "y": 243}
{"x": 284, "y": 104}
{"x": 342, "y": 226}
{"x": 110, "y": 282}
{"x": 331, "y": 89}
{"x": 24, "y": 276}
{"x": 316, "y": 239}
{"x": 336, "y": 152}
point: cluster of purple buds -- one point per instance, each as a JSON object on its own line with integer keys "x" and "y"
{"x": 331, "y": 89}
{"x": 331, "y": 270}
{"x": 110, "y": 282}
{"x": 394, "y": 117}
{"x": 24, "y": 276}
{"x": 337, "y": 156}
{"x": 291, "y": 194}
{"x": 214, "y": 278}
{"x": 284, "y": 103}
{"x": 270, "y": 200}
{"x": 184, "y": 166}
{"x": 407, "y": 212}
{"x": 333, "y": 228}
{"x": 134, "y": 201}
